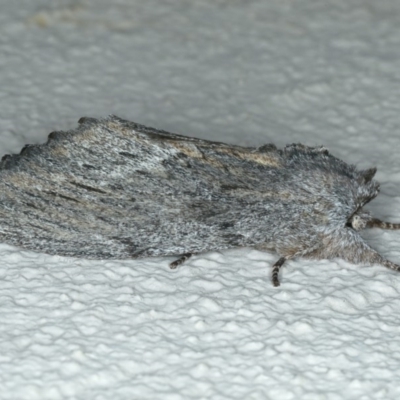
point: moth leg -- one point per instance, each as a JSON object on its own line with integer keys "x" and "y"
{"x": 275, "y": 271}
{"x": 377, "y": 223}
{"x": 180, "y": 260}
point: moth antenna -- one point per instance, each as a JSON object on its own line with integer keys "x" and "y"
{"x": 377, "y": 223}
{"x": 275, "y": 271}
{"x": 180, "y": 260}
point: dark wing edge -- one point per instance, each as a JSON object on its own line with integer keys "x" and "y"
{"x": 159, "y": 134}
{"x": 11, "y": 161}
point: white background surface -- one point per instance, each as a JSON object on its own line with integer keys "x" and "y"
{"x": 244, "y": 72}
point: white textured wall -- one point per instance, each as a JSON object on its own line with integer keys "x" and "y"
{"x": 245, "y": 72}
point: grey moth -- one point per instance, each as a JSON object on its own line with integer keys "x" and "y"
{"x": 113, "y": 189}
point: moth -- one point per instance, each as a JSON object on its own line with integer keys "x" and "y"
{"x": 114, "y": 189}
